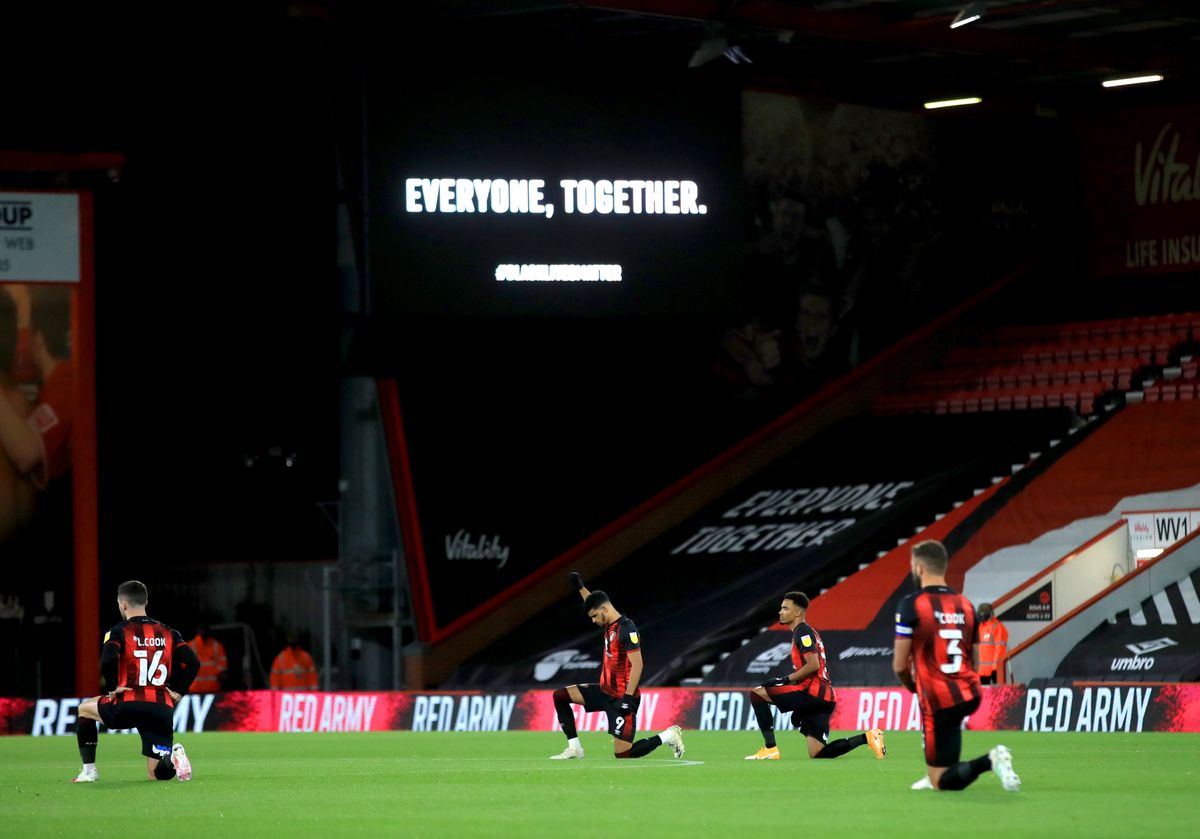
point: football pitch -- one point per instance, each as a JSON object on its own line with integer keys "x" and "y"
{"x": 501, "y": 784}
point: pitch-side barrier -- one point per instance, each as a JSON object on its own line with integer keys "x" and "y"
{"x": 1123, "y": 707}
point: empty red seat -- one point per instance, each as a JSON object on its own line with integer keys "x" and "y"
{"x": 1187, "y": 323}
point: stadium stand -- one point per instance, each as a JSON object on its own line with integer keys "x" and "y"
{"x": 1089, "y": 630}
{"x": 856, "y": 630}
{"x": 1177, "y": 383}
{"x": 855, "y": 615}
{"x": 1073, "y": 365}
{"x": 1034, "y": 420}
{"x": 732, "y": 585}
{"x": 1142, "y": 457}
{"x": 1159, "y": 640}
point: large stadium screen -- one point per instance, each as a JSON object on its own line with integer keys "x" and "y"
{"x": 577, "y": 197}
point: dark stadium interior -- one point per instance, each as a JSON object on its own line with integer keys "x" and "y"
{"x": 243, "y": 255}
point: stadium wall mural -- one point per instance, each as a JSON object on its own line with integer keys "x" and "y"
{"x": 49, "y": 595}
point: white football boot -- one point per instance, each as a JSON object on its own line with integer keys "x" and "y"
{"x": 183, "y": 766}
{"x": 86, "y": 776}
{"x": 673, "y": 737}
{"x": 569, "y": 753}
{"x": 1001, "y": 759}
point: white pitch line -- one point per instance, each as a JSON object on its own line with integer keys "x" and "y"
{"x": 651, "y": 764}
{"x": 603, "y": 762}
{"x": 416, "y": 763}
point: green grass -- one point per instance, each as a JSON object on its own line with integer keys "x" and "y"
{"x": 459, "y": 785}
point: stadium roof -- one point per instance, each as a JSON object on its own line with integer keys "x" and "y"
{"x": 884, "y": 50}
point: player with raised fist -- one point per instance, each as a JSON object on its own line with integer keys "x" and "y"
{"x": 617, "y": 694}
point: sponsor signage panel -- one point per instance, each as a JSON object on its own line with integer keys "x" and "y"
{"x": 39, "y": 237}
{"x": 1129, "y": 707}
{"x": 1038, "y": 605}
{"x": 1142, "y": 658}
{"x": 1163, "y": 645}
{"x": 860, "y": 658}
{"x": 1141, "y": 191}
{"x": 579, "y": 665}
{"x": 1160, "y": 529}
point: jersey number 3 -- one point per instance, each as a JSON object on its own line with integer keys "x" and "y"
{"x": 953, "y": 649}
{"x": 152, "y": 672}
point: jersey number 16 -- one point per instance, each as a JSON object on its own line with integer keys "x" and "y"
{"x": 152, "y": 672}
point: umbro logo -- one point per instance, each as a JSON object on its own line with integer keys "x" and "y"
{"x": 546, "y": 669}
{"x": 1144, "y": 647}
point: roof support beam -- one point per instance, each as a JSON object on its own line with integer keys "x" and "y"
{"x": 926, "y": 33}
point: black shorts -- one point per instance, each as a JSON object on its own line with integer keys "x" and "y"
{"x": 942, "y": 733}
{"x": 154, "y": 722}
{"x": 810, "y": 715}
{"x": 621, "y": 727}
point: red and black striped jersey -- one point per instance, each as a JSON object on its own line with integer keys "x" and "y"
{"x": 806, "y": 642}
{"x": 941, "y": 624}
{"x": 146, "y": 654}
{"x": 620, "y": 639}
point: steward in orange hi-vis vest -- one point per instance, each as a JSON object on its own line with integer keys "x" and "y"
{"x": 213, "y": 662}
{"x": 991, "y": 651}
{"x": 293, "y": 669}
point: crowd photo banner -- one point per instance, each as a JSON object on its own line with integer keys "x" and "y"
{"x": 49, "y": 595}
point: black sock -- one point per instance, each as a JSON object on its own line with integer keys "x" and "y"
{"x": 766, "y": 722}
{"x": 837, "y": 748}
{"x": 164, "y": 770}
{"x": 962, "y": 775}
{"x": 562, "y": 706}
{"x": 86, "y": 735}
{"x": 643, "y": 747}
